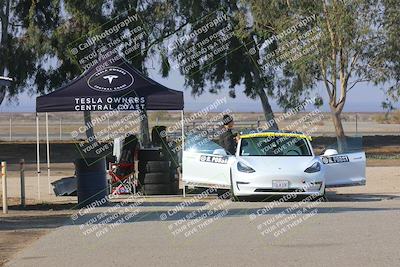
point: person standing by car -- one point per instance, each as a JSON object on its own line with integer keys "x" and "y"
{"x": 227, "y": 139}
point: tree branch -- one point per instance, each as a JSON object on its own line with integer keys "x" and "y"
{"x": 355, "y": 82}
{"x": 16, "y": 25}
{"x": 333, "y": 54}
{"x": 167, "y": 35}
{"x": 325, "y": 78}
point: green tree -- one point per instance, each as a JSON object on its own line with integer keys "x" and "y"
{"x": 233, "y": 66}
{"x": 240, "y": 63}
{"x": 40, "y": 35}
{"x": 358, "y": 44}
{"x": 17, "y": 59}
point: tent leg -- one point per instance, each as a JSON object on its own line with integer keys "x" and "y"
{"x": 48, "y": 152}
{"x": 38, "y": 155}
{"x": 182, "y": 148}
{"x": 183, "y": 131}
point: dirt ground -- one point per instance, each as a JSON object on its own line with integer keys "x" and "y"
{"x": 12, "y": 241}
{"x": 23, "y": 226}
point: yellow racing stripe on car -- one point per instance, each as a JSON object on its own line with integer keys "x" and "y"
{"x": 276, "y": 134}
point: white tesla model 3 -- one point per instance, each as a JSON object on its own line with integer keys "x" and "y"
{"x": 271, "y": 163}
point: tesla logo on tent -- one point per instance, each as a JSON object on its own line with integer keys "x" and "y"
{"x": 110, "y": 79}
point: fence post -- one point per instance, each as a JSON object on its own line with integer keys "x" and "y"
{"x": 22, "y": 171}
{"x": 60, "y": 128}
{"x": 10, "y": 127}
{"x": 356, "y": 123}
{"x": 4, "y": 185}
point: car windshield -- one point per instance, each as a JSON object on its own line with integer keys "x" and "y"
{"x": 274, "y": 146}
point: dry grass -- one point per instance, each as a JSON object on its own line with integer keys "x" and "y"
{"x": 388, "y": 118}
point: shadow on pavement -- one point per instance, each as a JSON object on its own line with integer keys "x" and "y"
{"x": 168, "y": 211}
{"x": 152, "y": 216}
{"x": 23, "y": 222}
{"x": 332, "y": 197}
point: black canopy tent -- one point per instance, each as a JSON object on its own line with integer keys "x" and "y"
{"x": 107, "y": 87}
{"x": 118, "y": 86}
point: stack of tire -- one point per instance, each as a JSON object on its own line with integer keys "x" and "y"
{"x": 156, "y": 175}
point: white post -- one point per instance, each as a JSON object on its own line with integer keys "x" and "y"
{"x": 4, "y": 185}
{"x": 48, "y": 152}
{"x": 183, "y": 148}
{"x": 38, "y": 155}
{"x": 22, "y": 181}
{"x": 60, "y": 128}
{"x": 10, "y": 128}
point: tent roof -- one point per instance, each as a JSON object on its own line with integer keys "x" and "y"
{"x": 116, "y": 86}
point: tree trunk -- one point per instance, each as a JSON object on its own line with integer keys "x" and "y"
{"x": 4, "y": 17}
{"x": 2, "y": 88}
{"x": 268, "y": 113}
{"x": 89, "y": 127}
{"x": 144, "y": 130}
{"x": 340, "y": 136}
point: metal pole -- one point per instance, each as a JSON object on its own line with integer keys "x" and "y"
{"x": 48, "y": 152}
{"x": 60, "y": 128}
{"x": 38, "y": 155}
{"x": 22, "y": 170}
{"x": 183, "y": 148}
{"x": 356, "y": 123}
{"x": 4, "y": 185}
{"x": 10, "y": 128}
{"x": 108, "y": 128}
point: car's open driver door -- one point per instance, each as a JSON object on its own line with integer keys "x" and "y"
{"x": 344, "y": 169}
{"x": 206, "y": 164}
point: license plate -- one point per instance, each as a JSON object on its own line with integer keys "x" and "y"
{"x": 282, "y": 184}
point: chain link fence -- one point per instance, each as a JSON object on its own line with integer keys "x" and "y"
{"x": 16, "y": 127}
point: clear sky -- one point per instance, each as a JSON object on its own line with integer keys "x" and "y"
{"x": 362, "y": 98}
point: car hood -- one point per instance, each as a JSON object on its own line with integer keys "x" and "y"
{"x": 279, "y": 164}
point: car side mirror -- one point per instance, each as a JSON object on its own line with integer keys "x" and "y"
{"x": 220, "y": 152}
{"x": 330, "y": 152}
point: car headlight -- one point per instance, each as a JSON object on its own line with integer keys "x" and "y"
{"x": 244, "y": 168}
{"x": 315, "y": 167}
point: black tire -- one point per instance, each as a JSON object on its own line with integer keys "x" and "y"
{"x": 157, "y": 178}
{"x": 232, "y": 194}
{"x": 323, "y": 196}
{"x": 223, "y": 193}
{"x": 175, "y": 187}
{"x": 239, "y": 199}
{"x": 150, "y": 155}
{"x": 157, "y": 189}
{"x": 154, "y": 166}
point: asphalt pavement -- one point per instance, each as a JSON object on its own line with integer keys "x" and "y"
{"x": 346, "y": 230}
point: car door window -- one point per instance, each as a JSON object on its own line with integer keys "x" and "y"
{"x": 199, "y": 144}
